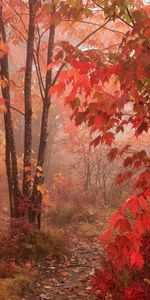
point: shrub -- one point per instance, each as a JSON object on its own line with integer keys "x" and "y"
{"x": 126, "y": 284}
{"x": 39, "y": 245}
{"x": 23, "y": 242}
{"x": 15, "y": 288}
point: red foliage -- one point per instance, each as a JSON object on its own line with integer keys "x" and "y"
{"x": 13, "y": 243}
{"x": 129, "y": 283}
{"x": 105, "y": 281}
{"x": 107, "y": 113}
{"x": 140, "y": 290}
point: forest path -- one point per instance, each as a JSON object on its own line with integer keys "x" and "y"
{"x": 71, "y": 279}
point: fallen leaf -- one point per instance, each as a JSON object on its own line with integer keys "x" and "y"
{"x": 65, "y": 274}
{"x": 82, "y": 294}
{"x": 44, "y": 297}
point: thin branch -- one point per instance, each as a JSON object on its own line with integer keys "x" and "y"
{"x": 44, "y": 32}
{"x": 13, "y": 82}
{"x": 38, "y": 62}
{"x": 39, "y": 77}
{"x": 114, "y": 30}
{"x": 124, "y": 21}
{"x": 92, "y": 23}
{"x": 129, "y": 15}
{"x": 80, "y": 21}
{"x": 16, "y": 29}
{"x": 103, "y": 49}
{"x": 90, "y": 34}
{"x": 14, "y": 108}
{"x": 107, "y": 48}
{"x": 120, "y": 18}
{"x": 77, "y": 46}
{"x": 19, "y": 15}
{"x": 58, "y": 73}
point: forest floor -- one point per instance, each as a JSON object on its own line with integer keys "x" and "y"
{"x": 66, "y": 273}
{"x": 70, "y": 279}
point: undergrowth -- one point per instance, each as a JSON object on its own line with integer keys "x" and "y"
{"x": 15, "y": 288}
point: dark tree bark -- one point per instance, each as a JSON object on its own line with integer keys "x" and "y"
{"x": 38, "y": 180}
{"x": 10, "y": 149}
{"x": 28, "y": 102}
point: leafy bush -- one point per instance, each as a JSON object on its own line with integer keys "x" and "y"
{"x": 38, "y": 245}
{"x": 129, "y": 283}
{"x": 23, "y": 242}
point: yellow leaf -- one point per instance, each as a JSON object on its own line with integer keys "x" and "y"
{"x": 41, "y": 188}
{"x": 39, "y": 168}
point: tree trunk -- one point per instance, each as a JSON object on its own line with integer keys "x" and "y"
{"x": 11, "y": 158}
{"x": 39, "y": 179}
{"x": 28, "y": 102}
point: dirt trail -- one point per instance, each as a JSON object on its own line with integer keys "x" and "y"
{"x": 70, "y": 280}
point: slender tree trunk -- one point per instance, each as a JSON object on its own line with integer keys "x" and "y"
{"x": 28, "y": 102}
{"x": 11, "y": 158}
{"x": 9, "y": 170}
{"x": 39, "y": 179}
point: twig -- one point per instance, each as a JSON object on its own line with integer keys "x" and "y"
{"x": 129, "y": 15}
{"x": 116, "y": 15}
{"x": 93, "y": 23}
{"x": 19, "y": 15}
{"x": 90, "y": 34}
{"x": 14, "y": 108}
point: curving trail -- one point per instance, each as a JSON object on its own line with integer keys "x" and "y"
{"x": 71, "y": 279}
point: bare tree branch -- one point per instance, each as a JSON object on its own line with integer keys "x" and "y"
{"x": 92, "y": 23}
{"x": 19, "y": 15}
{"x": 17, "y": 110}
